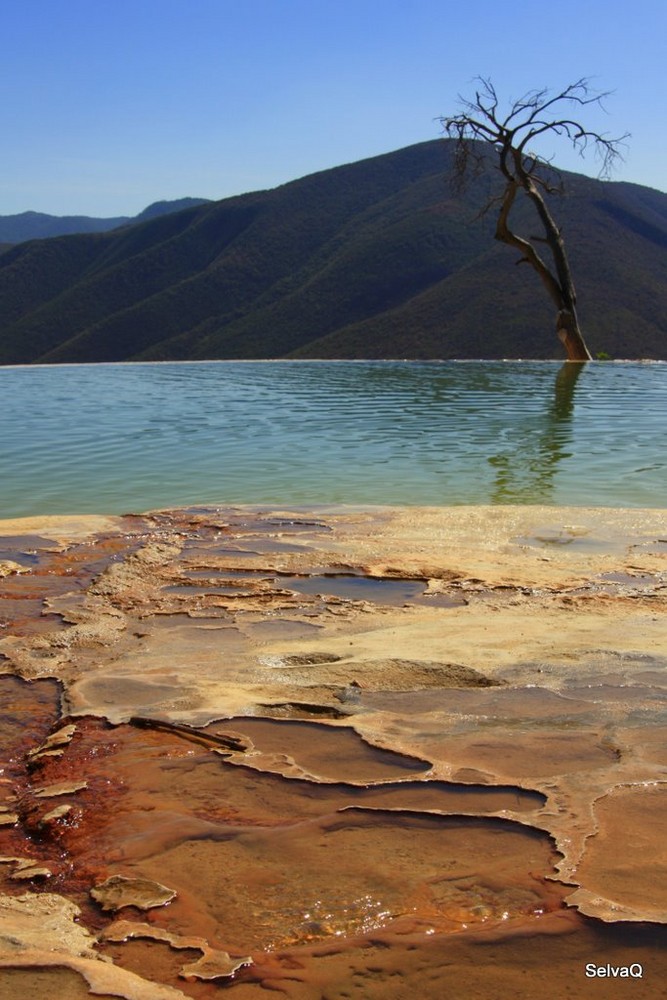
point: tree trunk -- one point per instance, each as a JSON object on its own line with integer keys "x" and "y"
{"x": 569, "y": 334}
{"x": 559, "y": 285}
{"x": 567, "y": 324}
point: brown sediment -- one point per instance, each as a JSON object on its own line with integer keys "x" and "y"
{"x": 622, "y": 858}
{"x": 338, "y": 741}
{"x": 63, "y": 983}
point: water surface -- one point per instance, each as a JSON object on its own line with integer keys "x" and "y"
{"x": 117, "y": 437}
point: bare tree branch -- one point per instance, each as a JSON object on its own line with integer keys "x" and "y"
{"x": 479, "y": 126}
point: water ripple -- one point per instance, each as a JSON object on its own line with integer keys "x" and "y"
{"x": 119, "y": 437}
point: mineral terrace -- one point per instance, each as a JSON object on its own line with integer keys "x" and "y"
{"x": 335, "y": 753}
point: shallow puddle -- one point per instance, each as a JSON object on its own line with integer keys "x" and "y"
{"x": 333, "y": 754}
{"x": 579, "y": 538}
{"x": 269, "y": 629}
{"x": 388, "y": 591}
{"x": 279, "y": 526}
{"x": 267, "y": 545}
{"x": 357, "y": 588}
{"x": 26, "y": 550}
{"x": 192, "y": 590}
{"x": 50, "y": 574}
{"x": 353, "y": 873}
{"x": 25, "y": 617}
{"x": 178, "y": 620}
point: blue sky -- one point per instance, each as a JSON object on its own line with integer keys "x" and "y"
{"x": 109, "y": 105}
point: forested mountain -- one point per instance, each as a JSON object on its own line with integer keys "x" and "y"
{"x": 38, "y": 225}
{"x": 376, "y": 259}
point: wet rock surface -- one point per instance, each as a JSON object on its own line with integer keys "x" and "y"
{"x": 348, "y": 753}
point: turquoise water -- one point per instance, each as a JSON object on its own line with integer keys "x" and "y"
{"x": 120, "y": 438}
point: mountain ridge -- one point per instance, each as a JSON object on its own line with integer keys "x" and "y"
{"x": 31, "y": 225}
{"x": 372, "y": 259}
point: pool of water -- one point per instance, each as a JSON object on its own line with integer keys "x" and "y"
{"x": 119, "y": 437}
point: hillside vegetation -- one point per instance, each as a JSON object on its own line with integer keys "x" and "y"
{"x": 376, "y": 259}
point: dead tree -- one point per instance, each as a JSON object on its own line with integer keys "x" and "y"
{"x": 481, "y": 125}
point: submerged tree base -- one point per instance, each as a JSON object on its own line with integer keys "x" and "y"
{"x": 567, "y": 330}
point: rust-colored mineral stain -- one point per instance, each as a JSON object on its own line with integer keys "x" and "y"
{"x": 51, "y": 573}
{"x": 29, "y": 709}
{"x": 260, "y": 862}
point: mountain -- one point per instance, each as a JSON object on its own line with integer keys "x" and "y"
{"x": 167, "y": 207}
{"x": 369, "y": 260}
{"x": 39, "y": 226}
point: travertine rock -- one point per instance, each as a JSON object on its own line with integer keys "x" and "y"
{"x": 119, "y": 891}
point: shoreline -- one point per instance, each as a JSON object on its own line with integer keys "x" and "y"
{"x": 100, "y": 520}
{"x": 348, "y": 361}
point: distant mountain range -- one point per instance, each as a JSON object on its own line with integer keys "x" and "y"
{"x": 38, "y": 226}
{"x": 376, "y": 259}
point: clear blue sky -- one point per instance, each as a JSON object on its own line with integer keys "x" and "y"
{"x": 109, "y": 105}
